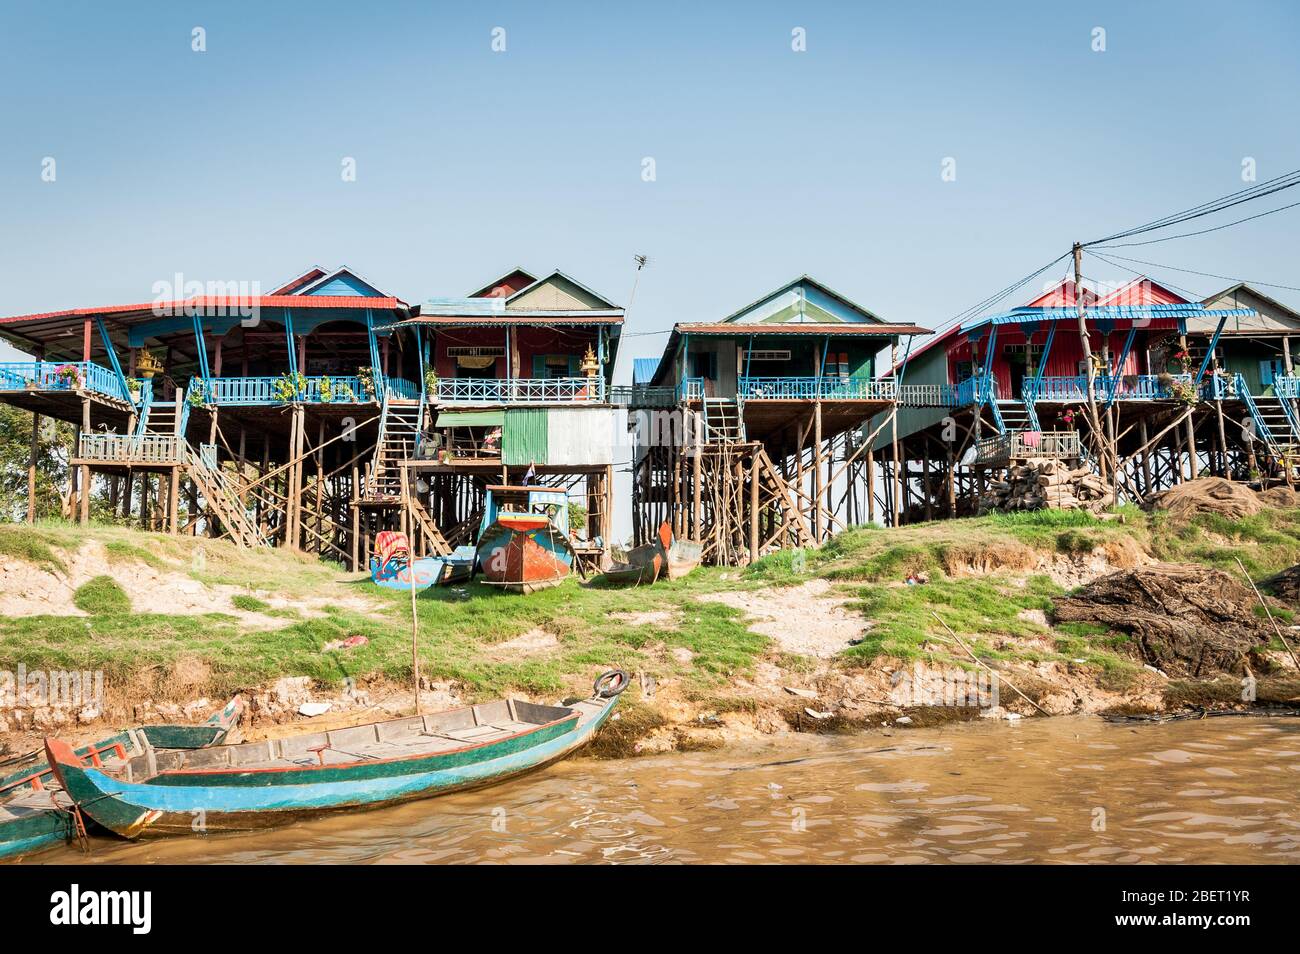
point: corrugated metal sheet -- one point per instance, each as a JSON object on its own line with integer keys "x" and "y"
{"x": 525, "y": 437}
{"x": 1019, "y": 316}
{"x": 582, "y": 435}
{"x": 471, "y": 419}
{"x": 643, "y": 370}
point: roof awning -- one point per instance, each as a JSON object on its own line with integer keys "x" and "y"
{"x": 471, "y": 419}
{"x": 1105, "y": 313}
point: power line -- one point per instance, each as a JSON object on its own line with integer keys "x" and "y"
{"x": 1258, "y": 191}
{"x": 1179, "y": 288}
{"x": 1192, "y": 271}
{"x": 1226, "y": 225}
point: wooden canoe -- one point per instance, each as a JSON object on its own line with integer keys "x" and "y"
{"x": 262, "y": 784}
{"x": 644, "y": 564}
{"x": 683, "y": 557}
{"x": 36, "y": 814}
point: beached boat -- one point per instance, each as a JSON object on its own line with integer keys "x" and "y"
{"x": 459, "y": 565}
{"x": 36, "y": 814}
{"x": 523, "y": 543}
{"x": 683, "y": 557}
{"x": 392, "y": 567}
{"x": 261, "y": 784}
{"x": 644, "y": 564}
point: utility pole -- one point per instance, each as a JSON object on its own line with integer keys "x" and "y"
{"x": 1094, "y": 420}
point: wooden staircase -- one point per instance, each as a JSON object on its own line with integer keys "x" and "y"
{"x": 723, "y": 421}
{"x": 223, "y": 501}
{"x": 399, "y": 432}
{"x": 427, "y": 539}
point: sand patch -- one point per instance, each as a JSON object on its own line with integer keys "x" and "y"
{"x": 30, "y": 590}
{"x": 535, "y": 642}
{"x": 799, "y": 619}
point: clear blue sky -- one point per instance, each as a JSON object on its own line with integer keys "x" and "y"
{"x": 225, "y": 165}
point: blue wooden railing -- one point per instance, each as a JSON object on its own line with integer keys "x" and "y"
{"x": 61, "y": 376}
{"x": 1127, "y": 387}
{"x": 815, "y": 389}
{"x": 253, "y": 391}
{"x": 519, "y": 390}
{"x": 690, "y": 389}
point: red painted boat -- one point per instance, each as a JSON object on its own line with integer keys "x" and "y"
{"x": 523, "y": 546}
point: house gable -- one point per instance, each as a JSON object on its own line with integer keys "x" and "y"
{"x": 558, "y": 292}
{"x": 342, "y": 283}
{"x": 512, "y": 281}
{"x": 802, "y": 301}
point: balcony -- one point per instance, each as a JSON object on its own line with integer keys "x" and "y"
{"x": 71, "y": 376}
{"x": 834, "y": 388}
{"x": 1059, "y": 445}
{"x": 520, "y": 391}
{"x": 280, "y": 389}
{"x": 1128, "y": 387}
{"x": 131, "y": 448}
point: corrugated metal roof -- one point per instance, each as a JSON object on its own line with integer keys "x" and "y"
{"x": 643, "y": 370}
{"x": 471, "y": 419}
{"x": 1020, "y": 316}
{"x": 463, "y": 306}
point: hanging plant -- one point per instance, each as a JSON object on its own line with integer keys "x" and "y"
{"x": 1184, "y": 392}
{"x": 289, "y": 387}
{"x": 367, "y": 377}
{"x": 70, "y": 373}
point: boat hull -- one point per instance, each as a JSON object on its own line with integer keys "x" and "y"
{"x": 524, "y": 558}
{"x": 188, "y": 802}
{"x": 398, "y": 576}
{"x": 28, "y": 830}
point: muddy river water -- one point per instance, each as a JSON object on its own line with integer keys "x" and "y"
{"x": 1051, "y": 790}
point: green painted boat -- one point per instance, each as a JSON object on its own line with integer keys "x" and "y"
{"x": 263, "y": 784}
{"x": 36, "y": 814}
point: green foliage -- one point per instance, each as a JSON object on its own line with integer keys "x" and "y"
{"x": 53, "y": 450}
{"x": 101, "y": 596}
{"x": 577, "y": 516}
{"x": 250, "y": 604}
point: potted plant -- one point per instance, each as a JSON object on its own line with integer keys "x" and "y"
{"x": 346, "y": 394}
{"x": 197, "y": 393}
{"x": 367, "y": 377}
{"x": 71, "y": 375}
{"x": 289, "y": 387}
{"x": 326, "y": 390}
{"x": 147, "y": 364}
{"x": 431, "y": 382}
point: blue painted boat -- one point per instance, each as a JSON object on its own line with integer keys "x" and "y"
{"x": 261, "y": 784}
{"x": 36, "y": 814}
{"x": 523, "y": 543}
{"x": 392, "y": 575}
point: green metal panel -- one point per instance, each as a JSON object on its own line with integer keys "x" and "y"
{"x": 471, "y": 419}
{"x": 524, "y": 438}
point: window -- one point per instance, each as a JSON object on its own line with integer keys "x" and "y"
{"x": 704, "y": 364}
{"x": 759, "y": 355}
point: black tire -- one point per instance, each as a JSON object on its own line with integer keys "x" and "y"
{"x": 611, "y": 683}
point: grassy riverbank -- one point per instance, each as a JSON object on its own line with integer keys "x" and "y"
{"x": 179, "y": 617}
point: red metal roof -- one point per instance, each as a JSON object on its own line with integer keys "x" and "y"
{"x": 216, "y": 304}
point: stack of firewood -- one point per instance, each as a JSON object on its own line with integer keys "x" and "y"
{"x": 1043, "y": 483}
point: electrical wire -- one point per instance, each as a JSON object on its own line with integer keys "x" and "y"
{"x": 1192, "y": 271}
{"x": 1261, "y": 190}
{"x": 1226, "y": 225}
